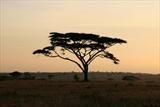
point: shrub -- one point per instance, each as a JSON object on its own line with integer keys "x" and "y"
{"x": 130, "y": 78}
{"x": 15, "y": 74}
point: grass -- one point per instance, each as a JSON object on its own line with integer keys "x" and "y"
{"x": 47, "y": 93}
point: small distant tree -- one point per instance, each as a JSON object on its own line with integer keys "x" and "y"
{"x": 15, "y": 74}
{"x": 85, "y": 47}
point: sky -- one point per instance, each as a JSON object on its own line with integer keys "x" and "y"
{"x": 25, "y": 26}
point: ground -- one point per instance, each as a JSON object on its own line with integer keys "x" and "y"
{"x": 108, "y": 93}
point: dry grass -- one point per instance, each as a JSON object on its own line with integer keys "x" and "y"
{"x": 111, "y": 93}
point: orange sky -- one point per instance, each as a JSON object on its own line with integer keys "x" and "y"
{"x": 25, "y": 25}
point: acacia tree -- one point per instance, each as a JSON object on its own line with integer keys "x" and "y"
{"x": 15, "y": 74}
{"x": 85, "y": 47}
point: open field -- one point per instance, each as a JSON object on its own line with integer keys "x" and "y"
{"x": 111, "y": 92}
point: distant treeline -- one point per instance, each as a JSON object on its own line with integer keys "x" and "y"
{"x": 76, "y": 76}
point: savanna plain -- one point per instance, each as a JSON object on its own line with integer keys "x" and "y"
{"x": 64, "y": 90}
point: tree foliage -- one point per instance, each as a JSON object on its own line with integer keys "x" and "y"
{"x": 86, "y": 47}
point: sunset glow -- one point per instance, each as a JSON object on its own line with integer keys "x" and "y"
{"x": 25, "y": 26}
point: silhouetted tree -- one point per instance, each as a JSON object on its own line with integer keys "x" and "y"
{"x": 85, "y": 47}
{"x": 15, "y": 74}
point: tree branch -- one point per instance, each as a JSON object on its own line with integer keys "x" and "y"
{"x": 65, "y": 58}
{"x": 50, "y": 56}
{"x": 92, "y": 56}
{"x": 79, "y": 57}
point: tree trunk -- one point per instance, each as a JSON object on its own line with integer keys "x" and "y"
{"x": 85, "y": 72}
{"x": 85, "y": 75}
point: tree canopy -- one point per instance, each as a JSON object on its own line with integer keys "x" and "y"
{"x": 86, "y": 47}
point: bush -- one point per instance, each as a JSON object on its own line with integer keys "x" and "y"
{"x": 130, "y": 78}
{"x": 15, "y": 74}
